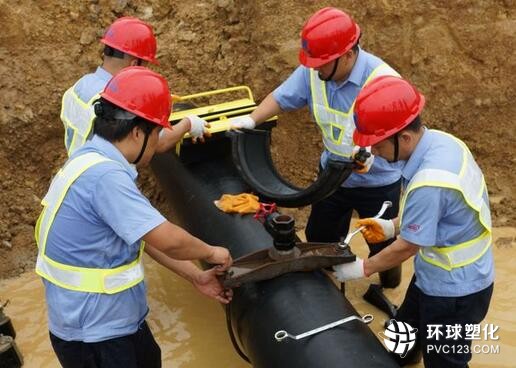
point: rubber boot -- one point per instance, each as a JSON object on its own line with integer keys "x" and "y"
{"x": 390, "y": 278}
{"x": 375, "y": 296}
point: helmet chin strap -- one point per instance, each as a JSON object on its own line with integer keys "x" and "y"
{"x": 332, "y": 72}
{"x": 144, "y": 146}
{"x": 396, "y": 148}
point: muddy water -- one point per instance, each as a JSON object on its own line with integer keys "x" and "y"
{"x": 191, "y": 329}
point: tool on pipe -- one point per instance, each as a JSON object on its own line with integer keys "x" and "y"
{"x": 282, "y": 334}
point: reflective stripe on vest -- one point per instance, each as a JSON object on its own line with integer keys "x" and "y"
{"x": 78, "y": 116}
{"x": 337, "y": 126}
{"x": 470, "y": 183}
{"x": 93, "y": 280}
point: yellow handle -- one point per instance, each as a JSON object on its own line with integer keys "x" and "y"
{"x": 215, "y": 92}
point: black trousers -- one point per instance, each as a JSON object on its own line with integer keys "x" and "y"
{"x": 420, "y": 310}
{"x": 330, "y": 218}
{"x": 138, "y": 350}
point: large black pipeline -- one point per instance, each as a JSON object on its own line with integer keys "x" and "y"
{"x": 295, "y": 302}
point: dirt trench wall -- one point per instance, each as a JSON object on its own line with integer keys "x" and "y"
{"x": 460, "y": 54}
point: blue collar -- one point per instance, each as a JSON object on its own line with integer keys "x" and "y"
{"x": 357, "y": 73}
{"x": 103, "y": 74}
{"x": 107, "y": 149}
{"x": 417, "y": 156}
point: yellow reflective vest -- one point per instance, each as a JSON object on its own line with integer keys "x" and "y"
{"x": 337, "y": 126}
{"x": 77, "y": 116}
{"x": 470, "y": 183}
{"x": 93, "y": 280}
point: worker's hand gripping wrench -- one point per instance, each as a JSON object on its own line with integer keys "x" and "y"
{"x": 282, "y": 334}
{"x": 345, "y": 243}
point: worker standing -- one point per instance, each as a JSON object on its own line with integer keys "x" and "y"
{"x": 96, "y": 224}
{"x": 127, "y": 42}
{"x": 444, "y": 221}
{"x": 334, "y": 69}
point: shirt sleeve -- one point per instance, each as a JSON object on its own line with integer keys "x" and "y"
{"x": 122, "y": 206}
{"x": 293, "y": 93}
{"x": 420, "y": 219}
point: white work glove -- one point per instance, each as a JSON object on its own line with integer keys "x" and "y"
{"x": 376, "y": 230}
{"x": 349, "y": 271}
{"x": 198, "y": 128}
{"x": 245, "y": 121}
{"x": 362, "y": 163}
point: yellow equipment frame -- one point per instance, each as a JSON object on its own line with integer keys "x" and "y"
{"x": 217, "y": 115}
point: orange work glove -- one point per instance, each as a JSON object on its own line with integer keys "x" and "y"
{"x": 376, "y": 230}
{"x": 238, "y": 203}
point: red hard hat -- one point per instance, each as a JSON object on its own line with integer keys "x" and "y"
{"x": 132, "y": 36}
{"x": 326, "y": 35}
{"x": 141, "y": 91}
{"x": 384, "y": 107}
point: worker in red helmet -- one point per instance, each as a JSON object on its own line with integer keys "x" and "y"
{"x": 127, "y": 42}
{"x": 96, "y": 224}
{"x": 333, "y": 70}
{"x": 444, "y": 221}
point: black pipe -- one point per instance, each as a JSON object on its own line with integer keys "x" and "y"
{"x": 295, "y": 302}
{"x": 252, "y": 157}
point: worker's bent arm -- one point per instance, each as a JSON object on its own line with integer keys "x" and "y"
{"x": 169, "y": 137}
{"x": 391, "y": 256}
{"x": 186, "y": 269}
{"x": 206, "y": 282}
{"x": 177, "y": 243}
{"x": 266, "y": 109}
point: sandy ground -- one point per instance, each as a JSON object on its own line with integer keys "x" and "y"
{"x": 191, "y": 330}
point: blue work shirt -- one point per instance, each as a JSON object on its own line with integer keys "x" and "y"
{"x": 88, "y": 86}
{"x": 295, "y": 93}
{"x": 440, "y": 216}
{"x": 99, "y": 225}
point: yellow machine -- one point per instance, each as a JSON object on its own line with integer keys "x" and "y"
{"x": 218, "y": 114}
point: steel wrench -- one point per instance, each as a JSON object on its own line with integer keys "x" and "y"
{"x": 282, "y": 334}
{"x": 380, "y": 213}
